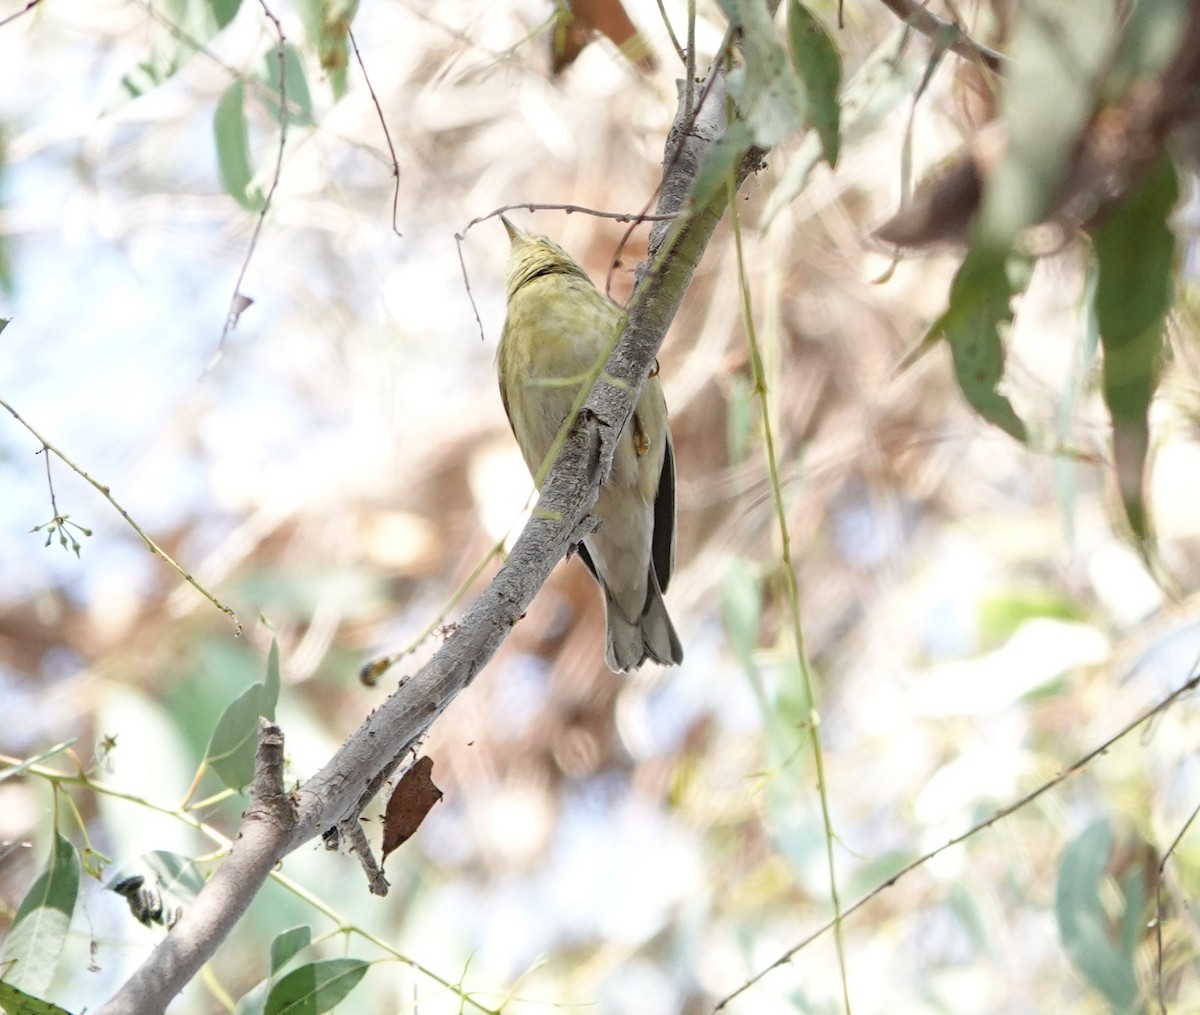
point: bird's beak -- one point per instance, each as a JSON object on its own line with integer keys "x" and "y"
{"x": 514, "y": 233}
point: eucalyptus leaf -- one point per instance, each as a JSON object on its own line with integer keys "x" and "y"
{"x": 233, "y": 147}
{"x": 819, "y": 65}
{"x": 1135, "y": 288}
{"x": 316, "y": 987}
{"x": 1083, "y": 925}
{"x": 980, "y": 298}
{"x": 35, "y": 943}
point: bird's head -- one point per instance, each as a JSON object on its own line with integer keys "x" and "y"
{"x": 534, "y": 256}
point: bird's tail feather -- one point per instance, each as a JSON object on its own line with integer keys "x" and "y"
{"x": 651, "y": 637}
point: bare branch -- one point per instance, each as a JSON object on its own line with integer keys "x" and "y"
{"x": 350, "y": 779}
{"x": 946, "y": 34}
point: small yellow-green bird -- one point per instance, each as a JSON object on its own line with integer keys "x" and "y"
{"x": 558, "y": 325}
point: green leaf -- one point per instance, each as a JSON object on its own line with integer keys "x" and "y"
{"x": 233, "y": 147}
{"x": 231, "y": 748}
{"x": 880, "y": 84}
{"x": 316, "y": 987}
{"x": 159, "y": 65}
{"x": 17, "y": 1002}
{"x": 980, "y": 298}
{"x": 223, "y": 11}
{"x": 1003, "y": 610}
{"x": 1133, "y": 922}
{"x": 722, "y": 159}
{"x": 296, "y": 93}
{"x": 327, "y": 26}
{"x": 195, "y": 22}
{"x": 769, "y": 96}
{"x": 286, "y": 944}
{"x": 1083, "y": 925}
{"x": 234, "y": 740}
{"x": 1135, "y": 255}
{"x": 817, "y": 61}
{"x": 1150, "y": 38}
{"x": 39, "y": 931}
{"x": 1058, "y": 53}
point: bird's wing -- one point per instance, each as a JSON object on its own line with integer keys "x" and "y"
{"x": 662, "y": 546}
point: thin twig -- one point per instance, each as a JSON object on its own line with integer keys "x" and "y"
{"x": 236, "y": 302}
{"x": 386, "y": 134}
{"x": 356, "y": 838}
{"x": 570, "y": 209}
{"x": 945, "y": 34}
{"x": 758, "y": 372}
{"x": 375, "y": 668}
{"x": 662, "y": 10}
{"x": 690, "y": 62}
{"x": 106, "y": 493}
{"x": 1002, "y": 813}
{"x": 24, "y": 10}
{"x": 1158, "y": 907}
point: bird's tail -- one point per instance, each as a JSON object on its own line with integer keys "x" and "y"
{"x": 651, "y": 637}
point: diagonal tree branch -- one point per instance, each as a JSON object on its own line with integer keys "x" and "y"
{"x": 946, "y": 34}
{"x": 344, "y": 786}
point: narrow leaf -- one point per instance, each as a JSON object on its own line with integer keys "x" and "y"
{"x": 39, "y": 931}
{"x": 233, "y": 147}
{"x": 979, "y": 303}
{"x": 1135, "y": 254}
{"x": 231, "y": 748}
{"x": 296, "y": 93}
{"x": 817, "y": 61}
{"x": 316, "y": 987}
{"x": 195, "y": 22}
{"x": 1059, "y": 51}
{"x": 223, "y": 11}
{"x": 722, "y": 159}
{"x": 287, "y": 944}
{"x": 768, "y": 95}
{"x": 1083, "y": 924}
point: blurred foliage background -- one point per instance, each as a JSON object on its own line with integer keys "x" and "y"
{"x": 339, "y": 464}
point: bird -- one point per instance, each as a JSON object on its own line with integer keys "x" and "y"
{"x": 558, "y": 324}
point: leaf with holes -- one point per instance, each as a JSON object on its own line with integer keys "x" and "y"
{"x": 980, "y": 302}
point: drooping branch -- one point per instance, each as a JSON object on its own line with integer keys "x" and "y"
{"x": 346, "y": 784}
